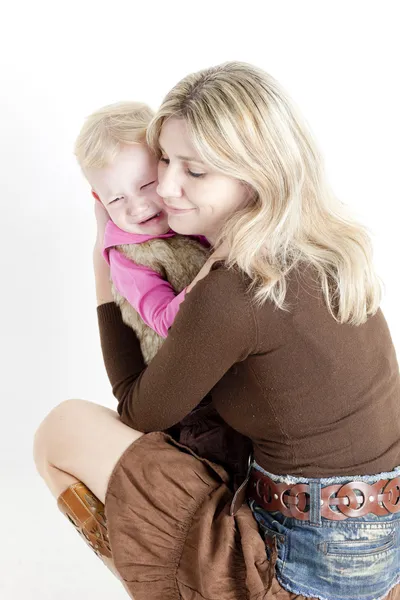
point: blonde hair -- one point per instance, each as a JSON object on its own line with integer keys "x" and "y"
{"x": 243, "y": 124}
{"x": 105, "y": 130}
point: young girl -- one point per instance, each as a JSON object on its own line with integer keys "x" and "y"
{"x": 148, "y": 261}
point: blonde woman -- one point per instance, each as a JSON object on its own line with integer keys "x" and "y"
{"x": 287, "y": 332}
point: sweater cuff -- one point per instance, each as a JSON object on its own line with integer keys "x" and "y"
{"x": 109, "y": 313}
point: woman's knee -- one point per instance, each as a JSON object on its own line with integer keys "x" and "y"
{"x": 54, "y": 428}
{"x": 83, "y": 439}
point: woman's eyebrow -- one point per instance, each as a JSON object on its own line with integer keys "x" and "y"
{"x": 190, "y": 159}
{"x": 181, "y": 157}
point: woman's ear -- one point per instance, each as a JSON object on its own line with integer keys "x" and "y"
{"x": 96, "y": 196}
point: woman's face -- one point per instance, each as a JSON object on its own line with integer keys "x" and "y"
{"x": 197, "y": 199}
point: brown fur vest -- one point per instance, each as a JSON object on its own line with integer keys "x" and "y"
{"x": 177, "y": 259}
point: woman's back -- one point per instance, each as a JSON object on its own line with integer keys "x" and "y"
{"x": 317, "y": 398}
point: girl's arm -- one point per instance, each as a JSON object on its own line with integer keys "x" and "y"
{"x": 151, "y": 296}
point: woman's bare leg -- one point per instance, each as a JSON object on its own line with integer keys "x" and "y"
{"x": 76, "y": 448}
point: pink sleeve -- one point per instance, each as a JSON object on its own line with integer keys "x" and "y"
{"x": 150, "y": 295}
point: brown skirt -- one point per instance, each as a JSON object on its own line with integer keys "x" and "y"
{"x": 171, "y": 534}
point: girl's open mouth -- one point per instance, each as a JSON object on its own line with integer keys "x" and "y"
{"x": 150, "y": 219}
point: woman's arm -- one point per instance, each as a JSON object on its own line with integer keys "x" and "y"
{"x": 100, "y": 266}
{"x": 102, "y": 278}
{"x": 214, "y": 329}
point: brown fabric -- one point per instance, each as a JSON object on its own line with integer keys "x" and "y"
{"x": 170, "y": 531}
{"x": 206, "y": 433}
{"x": 316, "y": 398}
{"x": 171, "y": 534}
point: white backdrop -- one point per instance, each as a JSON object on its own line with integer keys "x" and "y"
{"x": 59, "y": 61}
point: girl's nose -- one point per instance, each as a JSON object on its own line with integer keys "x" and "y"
{"x": 138, "y": 206}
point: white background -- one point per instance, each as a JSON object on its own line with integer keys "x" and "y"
{"x": 59, "y": 61}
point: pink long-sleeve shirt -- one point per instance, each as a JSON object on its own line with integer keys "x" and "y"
{"x": 151, "y": 296}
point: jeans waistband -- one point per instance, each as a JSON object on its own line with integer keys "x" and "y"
{"x": 292, "y": 480}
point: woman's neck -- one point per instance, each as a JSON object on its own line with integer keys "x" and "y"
{"x": 211, "y": 236}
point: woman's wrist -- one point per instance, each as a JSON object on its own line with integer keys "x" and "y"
{"x": 102, "y": 277}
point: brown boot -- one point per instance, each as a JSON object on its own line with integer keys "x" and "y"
{"x": 86, "y": 513}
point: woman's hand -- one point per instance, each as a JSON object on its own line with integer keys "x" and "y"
{"x": 102, "y": 218}
{"x": 101, "y": 268}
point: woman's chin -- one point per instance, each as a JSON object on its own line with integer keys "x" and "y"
{"x": 177, "y": 224}
{"x": 177, "y": 229}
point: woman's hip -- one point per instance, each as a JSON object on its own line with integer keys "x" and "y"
{"x": 335, "y": 556}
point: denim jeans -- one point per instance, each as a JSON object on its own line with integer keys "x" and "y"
{"x": 354, "y": 559}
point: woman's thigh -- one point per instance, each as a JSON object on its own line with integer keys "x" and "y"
{"x": 85, "y": 440}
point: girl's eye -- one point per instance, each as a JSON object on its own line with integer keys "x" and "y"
{"x": 195, "y": 174}
{"x": 147, "y": 185}
{"x": 115, "y": 200}
{"x": 164, "y": 160}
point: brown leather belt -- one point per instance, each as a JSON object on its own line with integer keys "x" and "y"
{"x": 380, "y": 498}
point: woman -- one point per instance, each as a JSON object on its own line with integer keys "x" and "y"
{"x": 288, "y": 335}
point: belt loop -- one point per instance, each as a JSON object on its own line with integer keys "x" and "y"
{"x": 239, "y": 496}
{"x": 315, "y": 502}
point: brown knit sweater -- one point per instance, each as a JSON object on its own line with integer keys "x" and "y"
{"x": 316, "y": 398}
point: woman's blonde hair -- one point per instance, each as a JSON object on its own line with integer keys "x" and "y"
{"x": 243, "y": 124}
{"x": 105, "y": 130}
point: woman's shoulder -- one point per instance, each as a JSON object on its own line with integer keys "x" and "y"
{"x": 221, "y": 304}
{"x": 227, "y": 282}
{"x": 221, "y": 297}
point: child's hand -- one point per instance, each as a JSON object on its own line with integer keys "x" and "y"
{"x": 102, "y": 219}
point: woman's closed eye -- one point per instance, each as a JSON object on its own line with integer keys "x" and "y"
{"x": 166, "y": 161}
{"x": 192, "y": 174}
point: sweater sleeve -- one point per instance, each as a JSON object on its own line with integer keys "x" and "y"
{"x": 214, "y": 329}
{"x": 150, "y": 295}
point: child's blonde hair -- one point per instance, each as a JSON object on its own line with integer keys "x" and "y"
{"x": 105, "y": 130}
{"x": 243, "y": 123}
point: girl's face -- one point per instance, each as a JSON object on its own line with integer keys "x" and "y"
{"x": 197, "y": 199}
{"x": 128, "y": 190}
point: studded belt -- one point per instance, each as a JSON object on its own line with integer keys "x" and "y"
{"x": 338, "y": 502}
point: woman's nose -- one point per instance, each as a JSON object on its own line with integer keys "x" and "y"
{"x": 168, "y": 184}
